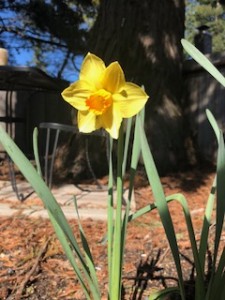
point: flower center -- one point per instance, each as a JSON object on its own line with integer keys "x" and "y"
{"x": 99, "y": 102}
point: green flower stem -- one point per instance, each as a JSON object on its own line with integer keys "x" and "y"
{"x": 136, "y": 150}
{"x": 115, "y": 293}
{"x": 110, "y": 211}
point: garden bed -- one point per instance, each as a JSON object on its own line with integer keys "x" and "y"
{"x": 33, "y": 266}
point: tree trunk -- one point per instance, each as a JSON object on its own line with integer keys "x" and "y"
{"x": 144, "y": 36}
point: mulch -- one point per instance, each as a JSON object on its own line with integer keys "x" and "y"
{"x": 33, "y": 265}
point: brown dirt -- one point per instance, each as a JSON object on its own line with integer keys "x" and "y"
{"x": 32, "y": 266}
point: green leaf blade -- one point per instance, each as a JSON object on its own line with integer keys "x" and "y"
{"x": 203, "y": 61}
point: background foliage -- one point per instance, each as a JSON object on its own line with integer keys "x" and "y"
{"x": 55, "y": 34}
{"x": 47, "y": 29}
{"x": 210, "y": 13}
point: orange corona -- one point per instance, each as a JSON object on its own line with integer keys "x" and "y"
{"x": 99, "y": 102}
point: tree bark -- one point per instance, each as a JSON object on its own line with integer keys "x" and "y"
{"x": 144, "y": 36}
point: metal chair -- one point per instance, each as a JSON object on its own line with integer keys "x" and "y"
{"x": 52, "y": 129}
{"x": 53, "y": 133}
{"x": 9, "y": 119}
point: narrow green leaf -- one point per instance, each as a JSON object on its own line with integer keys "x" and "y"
{"x": 37, "y": 183}
{"x": 115, "y": 293}
{"x": 203, "y": 61}
{"x": 163, "y": 294}
{"x": 43, "y": 192}
{"x": 220, "y": 207}
{"x": 210, "y": 203}
{"x": 127, "y": 142}
{"x": 222, "y": 292}
{"x": 136, "y": 151}
{"x": 199, "y": 281}
{"x": 69, "y": 254}
{"x": 213, "y": 123}
{"x": 142, "y": 211}
{"x": 161, "y": 204}
{"x": 218, "y": 279}
{"x": 88, "y": 256}
{"x": 36, "y": 152}
{"x": 220, "y": 210}
{"x": 110, "y": 213}
{"x": 203, "y": 245}
{"x": 134, "y": 162}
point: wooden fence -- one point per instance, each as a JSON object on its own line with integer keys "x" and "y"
{"x": 202, "y": 91}
{"x": 33, "y": 108}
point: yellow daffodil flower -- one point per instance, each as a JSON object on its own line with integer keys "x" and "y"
{"x": 103, "y": 97}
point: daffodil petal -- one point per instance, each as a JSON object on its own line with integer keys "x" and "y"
{"x": 86, "y": 121}
{"x": 130, "y": 99}
{"x": 92, "y": 69}
{"x": 77, "y": 93}
{"x": 113, "y": 78}
{"x": 105, "y": 88}
{"x": 111, "y": 121}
